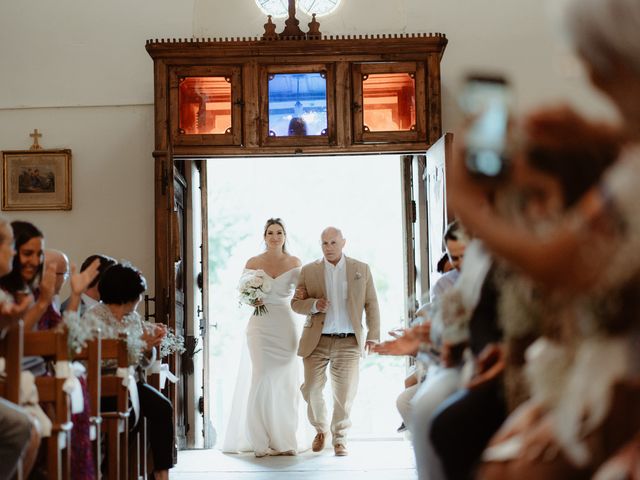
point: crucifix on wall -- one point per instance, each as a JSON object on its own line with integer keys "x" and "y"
{"x": 35, "y": 135}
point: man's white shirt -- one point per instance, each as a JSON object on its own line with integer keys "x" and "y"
{"x": 335, "y": 280}
{"x": 88, "y": 301}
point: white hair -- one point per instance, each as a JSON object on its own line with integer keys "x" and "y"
{"x": 603, "y": 31}
{"x": 328, "y": 229}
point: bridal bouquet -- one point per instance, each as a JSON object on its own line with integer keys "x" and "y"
{"x": 254, "y": 286}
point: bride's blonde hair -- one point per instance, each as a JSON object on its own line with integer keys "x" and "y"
{"x": 280, "y": 223}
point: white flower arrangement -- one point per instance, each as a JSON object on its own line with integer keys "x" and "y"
{"x": 79, "y": 331}
{"x": 254, "y": 287}
{"x": 132, "y": 327}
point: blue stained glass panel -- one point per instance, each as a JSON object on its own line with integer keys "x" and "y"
{"x": 297, "y": 104}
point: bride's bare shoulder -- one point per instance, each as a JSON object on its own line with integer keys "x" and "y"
{"x": 294, "y": 262}
{"x": 254, "y": 263}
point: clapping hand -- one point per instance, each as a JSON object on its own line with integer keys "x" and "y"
{"x": 12, "y": 312}
{"x": 79, "y": 282}
{"x": 47, "y": 284}
{"x": 407, "y": 344}
{"x": 397, "y": 332}
{"x": 154, "y": 336}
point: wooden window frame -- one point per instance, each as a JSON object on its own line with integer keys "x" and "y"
{"x": 330, "y": 76}
{"x": 233, "y": 73}
{"x": 419, "y": 71}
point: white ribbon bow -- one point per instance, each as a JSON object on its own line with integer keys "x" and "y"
{"x": 129, "y": 381}
{"x": 71, "y": 385}
{"x": 29, "y": 401}
{"x": 162, "y": 369}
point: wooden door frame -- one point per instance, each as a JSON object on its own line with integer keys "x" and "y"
{"x": 164, "y": 160}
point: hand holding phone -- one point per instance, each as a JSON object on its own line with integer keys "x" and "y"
{"x": 486, "y": 102}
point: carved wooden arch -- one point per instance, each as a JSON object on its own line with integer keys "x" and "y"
{"x": 249, "y": 57}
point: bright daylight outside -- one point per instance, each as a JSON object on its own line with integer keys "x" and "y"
{"x": 360, "y": 195}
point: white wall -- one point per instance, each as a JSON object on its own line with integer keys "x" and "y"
{"x": 87, "y": 59}
{"x": 78, "y": 72}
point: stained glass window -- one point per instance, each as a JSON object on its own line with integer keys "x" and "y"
{"x": 297, "y": 104}
{"x": 205, "y": 105}
{"x": 389, "y": 101}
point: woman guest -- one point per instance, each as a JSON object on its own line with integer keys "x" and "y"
{"x": 121, "y": 288}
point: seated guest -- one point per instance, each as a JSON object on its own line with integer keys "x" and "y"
{"x": 19, "y": 436}
{"x": 19, "y": 439}
{"x": 81, "y": 452}
{"x": 121, "y": 289}
{"x": 28, "y": 273}
{"x": 92, "y": 295}
{"x": 52, "y": 317}
{"x": 444, "y": 373}
{"x": 545, "y": 175}
{"x": 444, "y": 264}
{"x": 455, "y": 242}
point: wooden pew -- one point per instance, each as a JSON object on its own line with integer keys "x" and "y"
{"x": 11, "y": 349}
{"x": 116, "y": 422}
{"x": 91, "y": 357}
{"x": 53, "y": 345}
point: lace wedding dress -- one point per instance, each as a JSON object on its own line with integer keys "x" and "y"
{"x": 265, "y": 415}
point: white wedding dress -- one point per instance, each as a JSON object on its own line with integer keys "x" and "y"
{"x": 265, "y": 415}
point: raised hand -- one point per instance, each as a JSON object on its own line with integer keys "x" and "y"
{"x": 79, "y": 282}
{"x": 153, "y": 336}
{"x": 47, "y": 284}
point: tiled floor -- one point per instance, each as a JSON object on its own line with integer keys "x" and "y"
{"x": 370, "y": 460}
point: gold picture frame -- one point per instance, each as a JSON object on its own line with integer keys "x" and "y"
{"x": 36, "y": 180}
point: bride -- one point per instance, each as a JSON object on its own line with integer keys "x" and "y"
{"x": 265, "y": 420}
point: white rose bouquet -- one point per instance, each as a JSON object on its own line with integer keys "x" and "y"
{"x": 254, "y": 286}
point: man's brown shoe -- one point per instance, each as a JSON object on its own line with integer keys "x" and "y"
{"x": 318, "y": 443}
{"x": 341, "y": 450}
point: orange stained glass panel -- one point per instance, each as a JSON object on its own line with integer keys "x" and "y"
{"x": 205, "y": 105}
{"x": 389, "y": 102}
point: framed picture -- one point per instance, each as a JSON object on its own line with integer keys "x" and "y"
{"x": 36, "y": 180}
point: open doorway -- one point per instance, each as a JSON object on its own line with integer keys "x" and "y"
{"x": 359, "y": 194}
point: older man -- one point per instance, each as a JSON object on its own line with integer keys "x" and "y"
{"x": 333, "y": 292}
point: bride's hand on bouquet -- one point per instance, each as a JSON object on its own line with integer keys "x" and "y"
{"x": 258, "y": 303}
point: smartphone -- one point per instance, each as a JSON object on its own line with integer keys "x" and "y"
{"x": 486, "y": 100}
